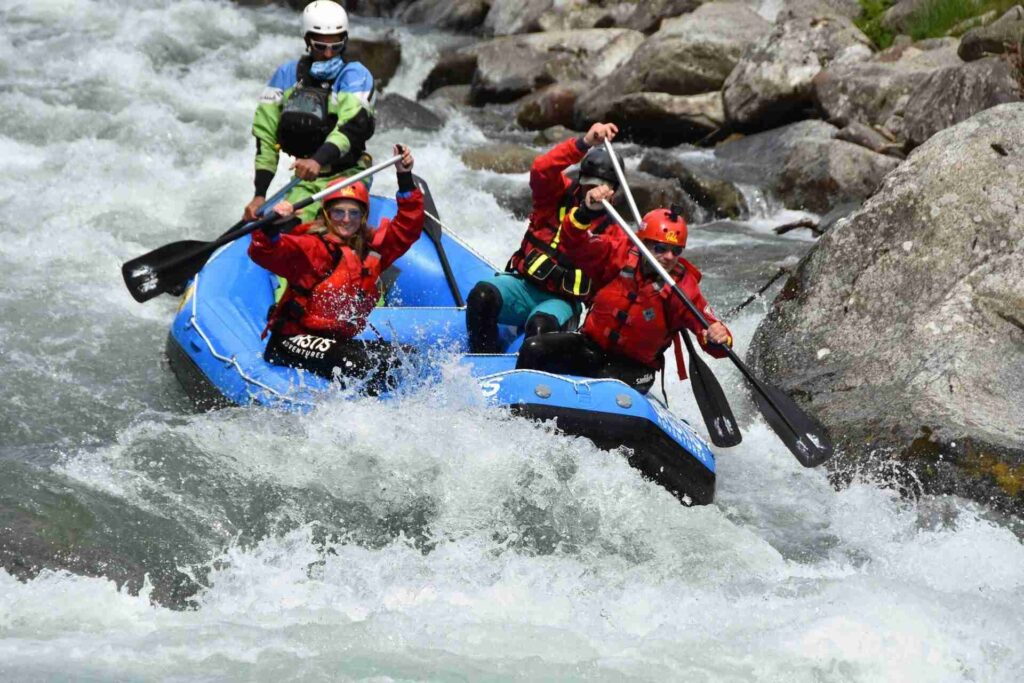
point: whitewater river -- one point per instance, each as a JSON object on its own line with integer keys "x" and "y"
{"x": 427, "y": 538}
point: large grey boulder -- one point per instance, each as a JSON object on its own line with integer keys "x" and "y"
{"x": 806, "y": 166}
{"x": 903, "y": 330}
{"x": 458, "y": 15}
{"x": 876, "y": 92}
{"x": 500, "y": 157}
{"x": 656, "y": 117}
{"x": 381, "y": 57}
{"x": 821, "y": 175}
{"x": 773, "y": 11}
{"x": 997, "y": 38}
{"x": 948, "y": 96}
{"x": 455, "y": 67}
{"x": 641, "y": 16}
{"x": 718, "y": 197}
{"x": 396, "y": 111}
{"x": 511, "y": 67}
{"x": 550, "y": 106}
{"x": 508, "y": 17}
{"x": 576, "y": 15}
{"x": 772, "y": 82}
{"x": 691, "y": 54}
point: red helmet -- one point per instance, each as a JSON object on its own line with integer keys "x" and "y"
{"x": 664, "y": 225}
{"x": 356, "y": 192}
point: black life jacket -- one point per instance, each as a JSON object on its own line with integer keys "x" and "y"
{"x": 306, "y": 120}
{"x": 539, "y": 259}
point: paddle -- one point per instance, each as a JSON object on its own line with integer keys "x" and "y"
{"x": 174, "y": 263}
{"x": 432, "y": 226}
{"x": 803, "y": 436}
{"x": 707, "y": 392}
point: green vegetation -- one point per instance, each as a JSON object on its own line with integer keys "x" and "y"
{"x": 934, "y": 19}
{"x": 937, "y": 17}
{"x": 870, "y": 22}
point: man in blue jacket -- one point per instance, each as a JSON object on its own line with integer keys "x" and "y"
{"x": 319, "y": 109}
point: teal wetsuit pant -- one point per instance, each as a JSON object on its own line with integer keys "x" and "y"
{"x": 510, "y": 299}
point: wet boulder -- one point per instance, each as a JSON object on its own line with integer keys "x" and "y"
{"x": 870, "y": 138}
{"x": 552, "y": 136}
{"x": 903, "y": 330}
{"x": 550, "y": 106}
{"x": 500, "y": 157}
{"x": 511, "y": 67}
{"x": 805, "y": 166}
{"x": 648, "y": 16}
{"x": 822, "y": 175}
{"x": 689, "y": 55}
{"x": 571, "y": 16}
{"x": 455, "y": 67}
{"x": 656, "y": 117}
{"x": 363, "y": 8}
{"x": 997, "y": 38}
{"x": 953, "y": 94}
{"x": 396, "y": 111}
{"x": 772, "y": 82}
{"x": 719, "y": 198}
{"x": 877, "y": 91}
{"x": 457, "y": 15}
{"x": 381, "y": 57}
{"x": 449, "y": 95}
{"x": 651, "y": 192}
{"x": 508, "y": 17}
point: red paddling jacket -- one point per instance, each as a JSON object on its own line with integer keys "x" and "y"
{"x": 331, "y": 290}
{"x": 540, "y": 258}
{"x": 631, "y": 314}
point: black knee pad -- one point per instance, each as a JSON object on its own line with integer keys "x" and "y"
{"x": 541, "y": 323}
{"x": 482, "y": 308}
{"x": 484, "y": 300}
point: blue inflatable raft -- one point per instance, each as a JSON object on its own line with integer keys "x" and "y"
{"x": 215, "y": 350}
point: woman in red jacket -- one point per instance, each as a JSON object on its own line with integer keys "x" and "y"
{"x": 332, "y": 266}
{"x": 634, "y": 316}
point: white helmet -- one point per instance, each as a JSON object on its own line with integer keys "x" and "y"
{"x": 324, "y": 17}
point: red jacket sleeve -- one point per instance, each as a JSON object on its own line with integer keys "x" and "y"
{"x": 302, "y": 260}
{"x": 680, "y": 316}
{"x": 547, "y": 184}
{"x": 393, "y": 238}
{"x": 601, "y": 257}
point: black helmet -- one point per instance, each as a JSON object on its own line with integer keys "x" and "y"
{"x": 597, "y": 166}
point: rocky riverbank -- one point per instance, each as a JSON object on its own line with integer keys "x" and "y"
{"x": 903, "y": 330}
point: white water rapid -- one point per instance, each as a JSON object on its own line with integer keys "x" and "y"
{"x": 428, "y": 538}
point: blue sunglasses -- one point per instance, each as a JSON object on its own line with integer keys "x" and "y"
{"x": 340, "y": 214}
{"x": 660, "y": 248}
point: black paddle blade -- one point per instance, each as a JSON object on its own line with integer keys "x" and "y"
{"x": 155, "y": 272}
{"x": 803, "y": 436}
{"x": 714, "y": 407}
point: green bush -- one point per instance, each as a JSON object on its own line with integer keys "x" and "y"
{"x": 933, "y": 20}
{"x": 870, "y": 22}
{"x": 937, "y": 17}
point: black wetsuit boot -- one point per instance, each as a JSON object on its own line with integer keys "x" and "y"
{"x": 482, "y": 308}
